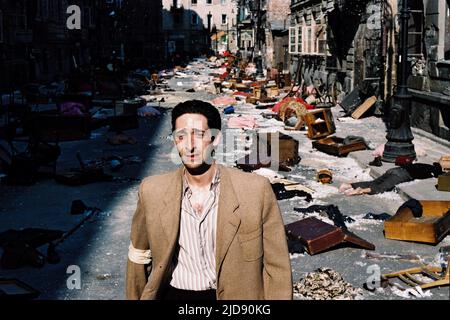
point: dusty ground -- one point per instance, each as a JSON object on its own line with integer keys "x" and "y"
{"x": 99, "y": 249}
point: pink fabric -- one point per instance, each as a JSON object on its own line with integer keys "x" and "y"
{"x": 242, "y": 122}
{"x": 224, "y": 101}
{"x": 277, "y": 107}
{"x": 378, "y": 152}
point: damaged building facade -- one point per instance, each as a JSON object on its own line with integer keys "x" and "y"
{"x": 342, "y": 45}
{"x": 199, "y": 26}
{"x": 337, "y": 45}
{"x": 37, "y": 46}
{"x": 263, "y": 30}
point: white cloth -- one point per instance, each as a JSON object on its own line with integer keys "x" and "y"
{"x": 139, "y": 256}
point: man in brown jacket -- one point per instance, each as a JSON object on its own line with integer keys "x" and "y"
{"x": 205, "y": 231}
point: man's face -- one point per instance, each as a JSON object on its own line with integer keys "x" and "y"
{"x": 192, "y": 138}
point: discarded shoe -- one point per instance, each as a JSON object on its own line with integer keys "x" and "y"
{"x": 376, "y": 162}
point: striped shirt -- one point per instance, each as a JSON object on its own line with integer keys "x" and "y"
{"x": 194, "y": 264}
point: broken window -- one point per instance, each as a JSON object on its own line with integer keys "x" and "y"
{"x": 415, "y": 28}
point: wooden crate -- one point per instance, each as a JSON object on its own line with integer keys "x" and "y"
{"x": 334, "y": 146}
{"x": 287, "y": 148}
{"x": 444, "y": 182}
{"x": 431, "y": 227}
{"x": 320, "y": 123}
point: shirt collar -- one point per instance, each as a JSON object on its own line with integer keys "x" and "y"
{"x": 214, "y": 183}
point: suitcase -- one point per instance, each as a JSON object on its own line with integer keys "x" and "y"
{"x": 318, "y": 236}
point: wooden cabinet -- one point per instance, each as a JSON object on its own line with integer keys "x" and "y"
{"x": 431, "y": 227}
{"x": 320, "y": 123}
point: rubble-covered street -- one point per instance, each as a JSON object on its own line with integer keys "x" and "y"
{"x": 99, "y": 247}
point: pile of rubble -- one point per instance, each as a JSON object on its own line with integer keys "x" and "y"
{"x": 326, "y": 284}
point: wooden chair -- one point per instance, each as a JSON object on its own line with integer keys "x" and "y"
{"x": 435, "y": 273}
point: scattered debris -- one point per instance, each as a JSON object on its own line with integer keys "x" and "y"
{"x": 281, "y": 193}
{"x": 121, "y": 138}
{"x": 331, "y": 211}
{"x": 20, "y": 247}
{"x": 104, "y": 276}
{"x": 326, "y": 284}
{"x": 393, "y": 256}
{"x": 380, "y": 217}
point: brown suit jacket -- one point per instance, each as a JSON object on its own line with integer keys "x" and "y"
{"x": 252, "y": 258}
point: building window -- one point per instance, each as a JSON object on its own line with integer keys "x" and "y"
{"x": 307, "y": 40}
{"x": 224, "y": 19}
{"x": 293, "y": 40}
{"x": 447, "y": 32}
{"x": 223, "y": 2}
{"x": 43, "y": 9}
{"x": 194, "y": 18}
{"x": 299, "y": 39}
{"x": 321, "y": 36}
{"x": 1, "y": 26}
{"x": 53, "y": 10}
{"x": 208, "y": 1}
{"x": 194, "y": 2}
{"x": 415, "y": 28}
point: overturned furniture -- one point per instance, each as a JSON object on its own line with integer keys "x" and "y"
{"x": 320, "y": 123}
{"x": 337, "y": 146}
{"x": 317, "y": 236}
{"x": 439, "y": 276}
{"x": 430, "y": 227}
{"x": 271, "y": 149}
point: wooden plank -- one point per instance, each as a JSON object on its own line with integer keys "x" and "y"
{"x": 293, "y": 185}
{"x": 364, "y": 107}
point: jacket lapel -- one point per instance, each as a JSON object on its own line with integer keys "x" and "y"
{"x": 228, "y": 219}
{"x": 170, "y": 213}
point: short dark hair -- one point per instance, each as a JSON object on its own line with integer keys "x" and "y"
{"x": 198, "y": 107}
